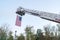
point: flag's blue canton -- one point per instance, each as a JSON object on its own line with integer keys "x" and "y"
{"x": 20, "y": 18}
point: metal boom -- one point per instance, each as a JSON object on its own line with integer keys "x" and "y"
{"x": 44, "y": 15}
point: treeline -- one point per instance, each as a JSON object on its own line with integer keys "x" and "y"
{"x": 49, "y": 33}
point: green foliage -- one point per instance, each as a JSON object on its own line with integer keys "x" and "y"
{"x": 39, "y": 34}
{"x": 58, "y": 25}
{"x": 39, "y": 31}
{"x": 3, "y": 34}
{"x": 21, "y": 37}
{"x": 10, "y": 36}
{"x": 29, "y": 33}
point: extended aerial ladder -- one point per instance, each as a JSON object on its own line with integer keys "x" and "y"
{"x": 44, "y": 15}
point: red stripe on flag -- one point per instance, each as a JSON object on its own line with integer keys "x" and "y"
{"x": 18, "y": 20}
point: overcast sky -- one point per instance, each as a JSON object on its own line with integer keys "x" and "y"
{"x": 8, "y": 13}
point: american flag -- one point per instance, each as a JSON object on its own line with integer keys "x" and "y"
{"x": 18, "y": 20}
